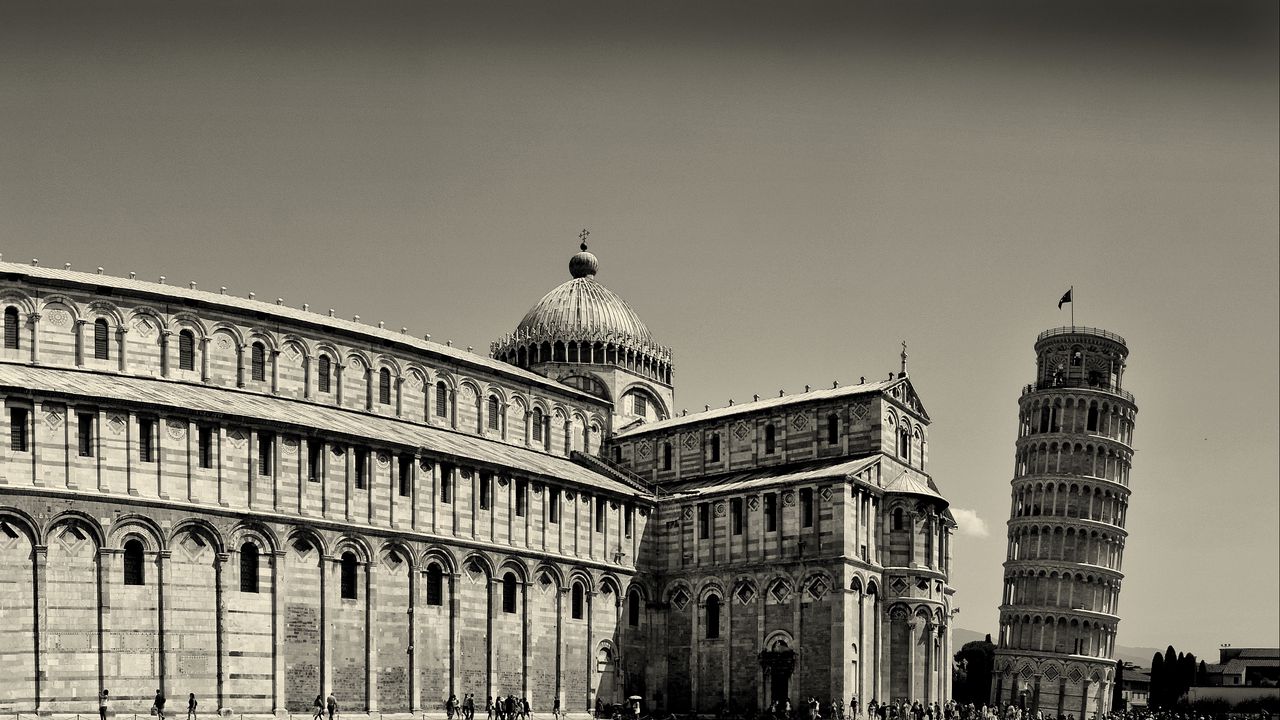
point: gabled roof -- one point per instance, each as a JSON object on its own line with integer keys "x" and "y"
{"x": 909, "y": 399}
{"x": 177, "y": 293}
{"x": 189, "y": 399}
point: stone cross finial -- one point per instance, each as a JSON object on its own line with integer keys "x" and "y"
{"x": 904, "y": 357}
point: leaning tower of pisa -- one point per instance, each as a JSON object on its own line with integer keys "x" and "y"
{"x": 1060, "y": 607}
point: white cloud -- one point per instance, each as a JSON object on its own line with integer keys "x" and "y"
{"x": 969, "y": 523}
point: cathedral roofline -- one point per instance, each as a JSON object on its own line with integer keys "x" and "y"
{"x": 242, "y": 405}
{"x": 759, "y": 405}
{"x": 91, "y": 281}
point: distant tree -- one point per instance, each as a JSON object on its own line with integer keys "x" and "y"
{"x": 1169, "y": 688}
{"x": 973, "y": 666}
{"x": 1117, "y": 691}
{"x": 1156, "y": 693}
{"x": 1187, "y": 673}
{"x": 1202, "y": 674}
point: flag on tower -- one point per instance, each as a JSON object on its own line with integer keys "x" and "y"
{"x": 1066, "y": 298}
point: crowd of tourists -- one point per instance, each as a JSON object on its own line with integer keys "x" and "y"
{"x": 495, "y": 708}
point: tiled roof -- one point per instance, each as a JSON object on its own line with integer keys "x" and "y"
{"x": 190, "y": 398}
{"x": 906, "y": 484}
{"x": 759, "y": 405}
{"x": 286, "y": 313}
{"x": 737, "y": 482}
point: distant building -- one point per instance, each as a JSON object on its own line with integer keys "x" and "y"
{"x": 1135, "y": 687}
{"x": 1245, "y": 667}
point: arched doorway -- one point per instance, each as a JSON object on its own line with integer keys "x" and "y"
{"x": 778, "y": 661}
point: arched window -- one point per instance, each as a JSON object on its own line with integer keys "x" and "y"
{"x": 633, "y": 609}
{"x": 186, "y": 350}
{"x": 713, "y": 617}
{"x": 258, "y": 362}
{"x": 833, "y": 429}
{"x": 579, "y": 600}
{"x": 442, "y": 399}
{"x": 770, "y": 439}
{"x": 435, "y": 585}
{"x": 384, "y": 387}
{"x": 666, "y": 456}
{"x": 493, "y": 412}
{"x": 134, "y": 558}
{"x": 897, "y": 519}
{"x": 248, "y": 568}
{"x": 509, "y": 593}
{"x": 101, "y": 348}
{"x": 349, "y": 576}
{"x": 324, "y": 369}
{"x": 904, "y": 443}
{"x": 1093, "y": 418}
{"x": 537, "y": 424}
{"x": 715, "y": 447}
{"x": 11, "y": 328}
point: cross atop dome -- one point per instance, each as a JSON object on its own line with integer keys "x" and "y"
{"x": 584, "y": 264}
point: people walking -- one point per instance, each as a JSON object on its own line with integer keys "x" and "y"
{"x": 191, "y": 706}
{"x": 103, "y": 698}
{"x": 526, "y": 712}
{"x": 158, "y": 705}
{"x": 319, "y": 707}
{"x": 469, "y": 707}
{"x": 451, "y": 707}
{"x": 331, "y": 704}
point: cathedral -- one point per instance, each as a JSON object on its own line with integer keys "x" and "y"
{"x": 259, "y": 504}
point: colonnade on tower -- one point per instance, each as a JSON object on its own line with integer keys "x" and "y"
{"x": 1070, "y": 497}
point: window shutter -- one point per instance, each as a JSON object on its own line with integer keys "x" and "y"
{"x": 186, "y": 350}
{"x": 101, "y": 351}
{"x": 11, "y": 328}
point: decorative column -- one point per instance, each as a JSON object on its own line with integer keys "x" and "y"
{"x": 326, "y": 647}
{"x": 204, "y": 359}
{"x": 220, "y": 629}
{"x": 275, "y": 371}
{"x": 337, "y": 376}
{"x": 306, "y": 376}
{"x": 455, "y": 638}
{"x": 122, "y": 347}
{"x": 106, "y": 566}
{"x": 39, "y": 566}
{"x": 415, "y": 683}
{"x": 370, "y": 635}
{"x": 33, "y": 320}
{"x": 162, "y": 557}
{"x": 350, "y": 457}
{"x": 164, "y": 353}
{"x": 278, "y": 705}
{"x": 79, "y": 340}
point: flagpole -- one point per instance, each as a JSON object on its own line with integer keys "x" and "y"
{"x": 1073, "y": 306}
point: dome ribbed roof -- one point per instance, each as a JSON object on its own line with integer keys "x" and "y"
{"x": 583, "y": 309}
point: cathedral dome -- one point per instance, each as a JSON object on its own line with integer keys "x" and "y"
{"x": 586, "y": 314}
{"x": 583, "y": 309}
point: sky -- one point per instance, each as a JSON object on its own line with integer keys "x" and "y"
{"x": 784, "y": 191}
